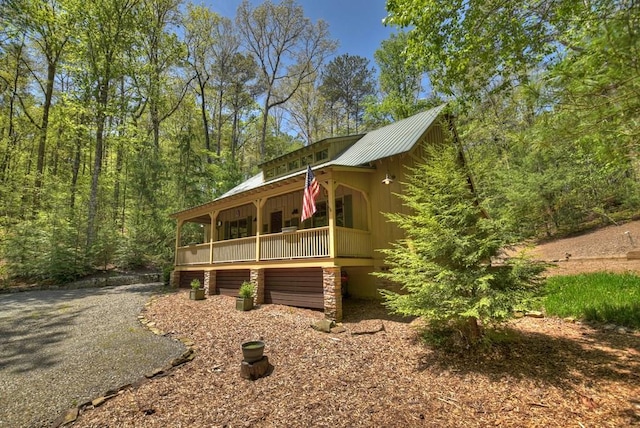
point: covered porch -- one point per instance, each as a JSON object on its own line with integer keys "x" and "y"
{"x": 269, "y": 229}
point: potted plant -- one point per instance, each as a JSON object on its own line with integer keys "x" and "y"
{"x": 197, "y": 293}
{"x": 244, "y": 301}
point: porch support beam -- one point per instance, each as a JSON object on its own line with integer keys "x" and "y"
{"x": 259, "y": 204}
{"x": 331, "y": 206}
{"x": 213, "y": 215}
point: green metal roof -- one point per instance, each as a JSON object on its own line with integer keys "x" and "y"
{"x": 398, "y": 137}
{"x": 394, "y": 139}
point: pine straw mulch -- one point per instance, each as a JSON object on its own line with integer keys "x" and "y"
{"x": 552, "y": 373}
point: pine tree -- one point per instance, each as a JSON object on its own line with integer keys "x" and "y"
{"x": 444, "y": 261}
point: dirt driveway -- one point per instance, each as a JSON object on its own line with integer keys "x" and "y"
{"x": 60, "y": 348}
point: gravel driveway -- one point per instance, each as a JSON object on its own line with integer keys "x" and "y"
{"x": 61, "y": 348}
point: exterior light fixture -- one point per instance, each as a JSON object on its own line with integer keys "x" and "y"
{"x": 388, "y": 179}
{"x": 294, "y": 212}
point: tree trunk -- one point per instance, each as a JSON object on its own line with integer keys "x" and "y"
{"x": 219, "y": 124}
{"x": 97, "y": 162}
{"x": 205, "y": 119}
{"x": 51, "y": 73}
{"x": 473, "y": 330}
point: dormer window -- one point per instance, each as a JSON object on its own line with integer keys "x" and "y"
{"x": 322, "y": 155}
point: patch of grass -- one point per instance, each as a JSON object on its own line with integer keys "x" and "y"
{"x": 602, "y": 297}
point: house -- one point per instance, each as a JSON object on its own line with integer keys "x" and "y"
{"x": 253, "y": 232}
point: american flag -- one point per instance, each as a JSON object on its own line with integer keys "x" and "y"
{"x": 311, "y": 190}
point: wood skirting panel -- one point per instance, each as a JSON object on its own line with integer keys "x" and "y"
{"x": 186, "y": 276}
{"x": 301, "y": 287}
{"x": 228, "y": 282}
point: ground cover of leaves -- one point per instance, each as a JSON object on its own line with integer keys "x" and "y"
{"x": 550, "y": 373}
{"x": 554, "y": 373}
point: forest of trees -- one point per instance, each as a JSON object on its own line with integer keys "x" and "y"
{"x": 115, "y": 113}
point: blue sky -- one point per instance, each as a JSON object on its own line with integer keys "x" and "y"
{"x": 356, "y": 24}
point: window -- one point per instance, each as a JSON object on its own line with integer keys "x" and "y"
{"x": 270, "y": 173}
{"x": 320, "y": 218}
{"x": 281, "y": 169}
{"x": 240, "y": 228}
{"x": 322, "y": 155}
{"x": 307, "y": 160}
{"x": 344, "y": 211}
{"x": 294, "y": 164}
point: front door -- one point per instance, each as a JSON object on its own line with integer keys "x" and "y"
{"x": 276, "y": 222}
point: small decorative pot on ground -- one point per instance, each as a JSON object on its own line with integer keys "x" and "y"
{"x": 196, "y": 293}
{"x": 252, "y": 351}
{"x": 244, "y": 303}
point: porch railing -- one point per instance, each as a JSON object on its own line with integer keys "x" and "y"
{"x": 193, "y": 254}
{"x": 353, "y": 242}
{"x": 307, "y": 243}
{"x": 295, "y": 245}
{"x": 236, "y": 250}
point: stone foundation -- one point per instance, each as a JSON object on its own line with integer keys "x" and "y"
{"x": 256, "y": 277}
{"x": 332, "y": 290}
{"x": 174, "y": 280}
{"x": 210, "y": 282}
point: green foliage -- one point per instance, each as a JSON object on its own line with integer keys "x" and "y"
{"x": 346, "y": 82}
{"x": 44, "y": 249}
{"x": 400, "y": 81}
{"x": 603, "y": 297}
{"x": 166, "y": 274}
{"x": 444, "y": 263}
{"x": 247, "y": 290}
{"x": 547, "y": 100}
{"x": 195, "y": 284}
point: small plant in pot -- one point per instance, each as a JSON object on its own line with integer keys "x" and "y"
{"x": 197, "y": 293}
{"x": 244, "y": 302}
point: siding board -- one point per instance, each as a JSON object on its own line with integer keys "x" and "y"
{"x": 187, "y": 276}
{"x": 228, "y": 281}
{"x": 294, "y": 287}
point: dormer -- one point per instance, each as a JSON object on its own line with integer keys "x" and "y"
{"x": 317, "y": 153}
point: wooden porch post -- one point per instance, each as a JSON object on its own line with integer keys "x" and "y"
{"x": 259, "y": 203}
{"x": 213, "y": 216}
{"x": 331, "y": 206}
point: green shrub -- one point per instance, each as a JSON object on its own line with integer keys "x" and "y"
{"x": 45, "y": 249}
{"x": 247, "y": 290}
{"x": 166, "y": 274}
{"x": 443, "y": 263}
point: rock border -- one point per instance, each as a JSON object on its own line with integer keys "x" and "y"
{"x": 72, "y": 414}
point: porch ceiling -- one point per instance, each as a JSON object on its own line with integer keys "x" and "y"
{"x": 203, "y": 219}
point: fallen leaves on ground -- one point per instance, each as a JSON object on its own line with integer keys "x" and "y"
{"x": 550, "y": 373}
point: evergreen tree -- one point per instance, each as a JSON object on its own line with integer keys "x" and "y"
{"x": 444, "y": 262}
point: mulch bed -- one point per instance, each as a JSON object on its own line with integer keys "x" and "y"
{"x": 549, "y": 373}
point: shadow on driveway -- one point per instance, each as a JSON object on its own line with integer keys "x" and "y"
{"x": 61, "y": 348}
